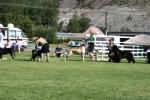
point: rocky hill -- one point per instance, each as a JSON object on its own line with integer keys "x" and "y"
{"x": 122, "y": 15}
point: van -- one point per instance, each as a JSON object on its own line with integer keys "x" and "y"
{"x": 12, "y": 34}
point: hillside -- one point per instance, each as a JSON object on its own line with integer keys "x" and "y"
{"x": 123, "y": 15}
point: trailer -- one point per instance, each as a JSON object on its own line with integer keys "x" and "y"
{"x": 12, "y": 34}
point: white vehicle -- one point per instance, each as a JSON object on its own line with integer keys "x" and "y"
{"x": 12, "y": 34}
{"x": 75, "y": 43}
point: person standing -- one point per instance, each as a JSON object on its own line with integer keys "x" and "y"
{"x": 59, "y": 51}
{"x": 45, "y": 47}
{"x": 1, "y": 43}
{"x": 91, "y": 42}
{"x": 110, "y": 44}
{"x": 18, "y": 46}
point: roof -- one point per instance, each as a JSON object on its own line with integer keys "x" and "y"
{"x": 66, "y": 35}
{"x": 91, "y": 30}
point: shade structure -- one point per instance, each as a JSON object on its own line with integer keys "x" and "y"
{"x": 140, "y": 39}
{"x": 91, "y": 30}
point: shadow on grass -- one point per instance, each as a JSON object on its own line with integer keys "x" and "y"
{"x": 19, "y": 59}
{"x": 136, "y": 62}
{"x": 76, "y": 60}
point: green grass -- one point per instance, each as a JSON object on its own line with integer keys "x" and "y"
{"x": 22, "y": 79}
{"x": 51, "y": 45}
{"x": 55, "y": 45}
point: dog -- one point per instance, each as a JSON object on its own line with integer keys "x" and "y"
{"x": 7, "y": 51}
{"x": 77, "y": 50}
{"x": 40, "y": 53}
{"x": 36, "y": 54}
{"x": 115, "y": 55}
{"x": 148, "y": 57}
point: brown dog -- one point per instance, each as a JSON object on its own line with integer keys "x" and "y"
{"x": 77, "y": 50}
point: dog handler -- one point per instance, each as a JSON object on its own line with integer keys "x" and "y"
{"x": 91, "y": 40}
{"x": 59, "y": 51}
{"x": 45, "y": 46}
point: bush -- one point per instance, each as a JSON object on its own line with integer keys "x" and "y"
{"x": 84, "y": 24}
{"x": 27, "y": 26}
{"x": 74, "y": 25}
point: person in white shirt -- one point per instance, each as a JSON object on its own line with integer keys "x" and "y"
{"x": 1, "y": 39}
{"x": 1, "y": 43}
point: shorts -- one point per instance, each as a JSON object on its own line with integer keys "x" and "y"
{"x": 91, "y": 46}
{"x": 45, "y": 48}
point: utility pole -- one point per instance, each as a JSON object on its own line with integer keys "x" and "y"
{"x": 110, "y": 26}
{"x": 26, "y": 7}
{"x": 106, "y": 15}
{"x": 39, "y": 5}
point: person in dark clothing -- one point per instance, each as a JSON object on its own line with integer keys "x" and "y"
{"x": 59, "y": 51}
{"x": 39, "y": 41}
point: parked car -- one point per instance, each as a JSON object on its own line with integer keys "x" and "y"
{"x": 74, "y": 43}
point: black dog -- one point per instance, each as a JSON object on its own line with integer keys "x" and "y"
{"x": 36, "y": 54}
{"x": 148, "y": 57}
{"x": 40, "y": 51}
{"x": 7, "y": 51}
{"x": 115, "y": 55}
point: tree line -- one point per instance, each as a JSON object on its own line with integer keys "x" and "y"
{"x": 38, "y": 17}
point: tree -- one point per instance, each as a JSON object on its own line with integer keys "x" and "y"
{"x": 74, "y": 25}
{"x": 48, "y": 33}
{"x": 60, "y": 26}
{"x": 28, "y": 14}
{"x": 27, "y": 26}
{"x": 50, "y": 14}
{"x": 84, "y": 24}
{"x": 77, "y": 24}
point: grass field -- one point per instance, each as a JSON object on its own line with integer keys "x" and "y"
{"x": 22, "y": 79}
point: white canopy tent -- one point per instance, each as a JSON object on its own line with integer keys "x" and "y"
{"x": 140, "y": 39}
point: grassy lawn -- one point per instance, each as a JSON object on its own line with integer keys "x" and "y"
{"x": 22, "y": 79}
{"x": 51, "y": 45}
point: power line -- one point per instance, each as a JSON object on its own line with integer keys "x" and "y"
{"x": 25, "y": 6}
{"x": 21, "y": 15}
